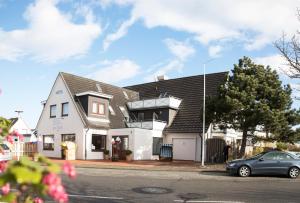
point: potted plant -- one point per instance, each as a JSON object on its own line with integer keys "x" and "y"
{"x": 128, "y": 155}
{"x": 106, "y": 154}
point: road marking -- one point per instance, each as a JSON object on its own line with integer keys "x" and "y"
{"x": 95, "y": 197}
{"x": 205, "y": 201}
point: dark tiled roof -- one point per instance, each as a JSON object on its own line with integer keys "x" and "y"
{"x": 13, "y": 121}
{"x": 78, "y": 84}
{"x": 190, "y": 89}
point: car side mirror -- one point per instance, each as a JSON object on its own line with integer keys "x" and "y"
{"x": 261, "y": 159}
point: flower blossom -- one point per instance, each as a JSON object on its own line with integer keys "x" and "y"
{"x": 54, "y": 187}
{"x": 3, "y": 166}
{"x": 69, "y": 169}
{"x": 38, "y": 200}
{"x": 5, "y": 189}
{"x": 10, "y": 139}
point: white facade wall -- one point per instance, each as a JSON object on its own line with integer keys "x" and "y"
{"x": 89, "y": 153}
{"x": 71, "y": 124}
{"x": 140, "y": 141}
{"x": 195, "y": 136}
{"x": 21, "y": 127}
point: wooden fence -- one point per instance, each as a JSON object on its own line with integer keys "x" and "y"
{"x": 214, "y": 150}
{"x": 24, "y": 149}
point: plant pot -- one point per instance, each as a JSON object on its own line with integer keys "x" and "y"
{"x": 129, "y": 157}
{"x": 106, "y": 156}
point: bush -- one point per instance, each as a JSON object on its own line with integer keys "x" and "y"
{"x": 282, "y": 146}
{"x": 128, "y": 152}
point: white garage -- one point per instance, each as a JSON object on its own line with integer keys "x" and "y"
{"x": 184, "y": 148}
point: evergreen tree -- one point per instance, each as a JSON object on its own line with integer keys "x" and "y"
{"x": 253, "y": 97}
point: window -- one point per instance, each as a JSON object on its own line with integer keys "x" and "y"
{"x": 141, "y": 116}
{"x": 283, "y": 156}
{"x": 98, "y": 143}
{"x": 68, "y": 137}
{"x": 48, "y": 142}
{"x": 98, "y": 108}
{"x": 111, "y": 110}
{"x": 52, "y": 111}
{"x": 157, "y": 143}
{"x": 65, "y": 109}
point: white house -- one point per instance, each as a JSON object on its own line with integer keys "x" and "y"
{"x": 92, "y": 114}
{"x": 19, "y": 125}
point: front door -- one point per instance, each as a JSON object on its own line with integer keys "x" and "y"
{"x": 120, "y": 148}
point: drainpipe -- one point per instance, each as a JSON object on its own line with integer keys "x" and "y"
{"x": 85, "y": 150}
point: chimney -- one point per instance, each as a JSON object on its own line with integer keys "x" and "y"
{"x": 160, "y": 77}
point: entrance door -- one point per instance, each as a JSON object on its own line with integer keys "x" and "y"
{"x": 121, "y": 147}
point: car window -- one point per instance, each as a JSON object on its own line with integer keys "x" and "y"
{"x": 283, "y": 156}
{"x": 270, "y": 156}
{"x": 4, "y": 147}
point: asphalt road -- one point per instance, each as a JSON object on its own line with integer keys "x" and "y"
{"x": 115, "y": 186}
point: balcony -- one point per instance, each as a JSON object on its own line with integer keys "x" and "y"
{"x": 168, "y": 102}
{"x": 150, "y": 125}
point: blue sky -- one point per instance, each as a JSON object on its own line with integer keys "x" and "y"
{"x": 126, "y": 42}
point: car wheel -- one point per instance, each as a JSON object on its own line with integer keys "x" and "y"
{"x": 294, "y": 172}
{"x": 244, "y": 171}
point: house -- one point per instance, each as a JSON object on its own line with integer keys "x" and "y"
{"x": 93, "y": 114}
{"x": 19, "y": 125}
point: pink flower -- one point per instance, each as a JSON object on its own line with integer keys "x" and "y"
{"x": 69, "y": 169}
{"x": 18, "y": 135}
{"x": 51, "y": 179}
{"x": 10, "y": 139}
{"x": 38, "y": 200}
{"x": 54, "y": 187}
{"x": 3, "y": 166}
{"x": 5, "y": 189}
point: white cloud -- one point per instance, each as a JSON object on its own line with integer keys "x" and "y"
{"x": 253, "y": 22}
{"x": 116, "y": 71}
{"x": 173, "y": 65}
{"x": 214, "y": 51}
{"x": 122, "y": 31}
{"x": 181, "y": 50}
{"x": 276, "y": 62}
{"x": 50, "y": 36}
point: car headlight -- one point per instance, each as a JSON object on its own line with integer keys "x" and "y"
{"x": 231, "y": 164}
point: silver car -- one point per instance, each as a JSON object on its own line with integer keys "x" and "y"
{"x": 6, "y": 153}
{"x": 267, "y": 163}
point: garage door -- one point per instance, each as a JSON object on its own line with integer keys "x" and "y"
{"x": 184, "y": 149}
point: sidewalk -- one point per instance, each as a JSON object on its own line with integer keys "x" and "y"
{"x": 187, "y": 166}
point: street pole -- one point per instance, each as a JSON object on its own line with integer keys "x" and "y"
{"x": 203, "y": 127}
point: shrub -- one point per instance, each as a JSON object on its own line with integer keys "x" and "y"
{"x": 128, "y": 152}
{"x": 106, "y": 152}
{"x": 282, "y": 146}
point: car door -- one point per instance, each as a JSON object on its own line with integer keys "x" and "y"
{"x": 284, "y": 162}
{"x": 265, "y": 164}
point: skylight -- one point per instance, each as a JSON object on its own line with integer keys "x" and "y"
{"x": 111, "y": 110}
{"x": 98, "y": 87}
{"x": 125, "y": 94}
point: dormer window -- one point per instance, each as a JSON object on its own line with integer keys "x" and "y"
{"x": 98, "y": 108}
{"x": 52, "y": 111}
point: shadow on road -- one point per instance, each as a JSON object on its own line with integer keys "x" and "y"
{"x": 214, "y": 173}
